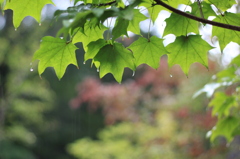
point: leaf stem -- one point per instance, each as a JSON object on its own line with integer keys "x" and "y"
{"x": 190, "y": 16}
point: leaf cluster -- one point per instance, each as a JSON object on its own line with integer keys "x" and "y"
{"x": 98, "y": 24}
{"x": 86, "y": 23}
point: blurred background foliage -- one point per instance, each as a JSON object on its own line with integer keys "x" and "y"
{"x": 151, "y": 115}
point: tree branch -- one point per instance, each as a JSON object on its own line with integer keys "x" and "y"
{"x": 190, "y": 16}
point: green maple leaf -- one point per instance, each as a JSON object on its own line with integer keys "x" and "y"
{"x": 113, "y": 58}
{"x": 222, "y": 4}
{"x": 225, "y": 127}
{"x": 206, "y": 9}
{"x": 180, "y": 25}
{"x": 93, "y": 48}
{"x": 56, "y": 53}
{"x": 120, "y": 28}
{"x": 187, "y": 50}
{"x": 23, "y": 8}
{"x": 135, "y": 22}
{"x": 148, "y": 51}
{"x": 225, "y": 36}
{"x": 91, "y": 33}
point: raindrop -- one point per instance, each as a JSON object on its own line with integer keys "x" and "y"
{"x": 31, "y": 69}
{"x": 97, "y": 70}
{"x": 84, "y": 62}
{"x": 15, "y": 29}
{"x": 40, "y": 24}
{"x": 170, "y": 75}
{"x": 133, "y": 73}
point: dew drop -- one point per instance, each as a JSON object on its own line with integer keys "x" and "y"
{"x": 31, "y": 69}
{"x": 170, "y": 75}
{"x": 15, "y": 29}
{"x": 133, "y": 73}
{"x": 97, "y": 70}
{"x": 40, "y": 24}
{"x": 84, "y": 62}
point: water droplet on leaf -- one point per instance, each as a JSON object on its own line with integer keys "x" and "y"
{"x": 97, "y": 70}
{"x": 15, "y": 29}
{"x": 40, "y": 24}
{"x": 84, "y": 62}
{"x": 170, "y": 75}
{"x": 31, "y": 69}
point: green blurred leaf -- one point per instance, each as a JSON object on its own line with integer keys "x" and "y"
{"x": 227, "y": 75}
{"x": 222, "y": 104}
{"x": 148, "y": 51}
{"x": 185, "y": 51}
{"x": 56, "y": 53}
{"x": 236, "y": 61}
{"x": 225, "y": 127}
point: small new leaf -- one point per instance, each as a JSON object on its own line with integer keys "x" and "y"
{"x": 23, "y": 8}
{"x": 148, "y": 51}
{"x": 113, "y": 58}
{"x": 188, "y": 50}
{"x": 56, "y": 53}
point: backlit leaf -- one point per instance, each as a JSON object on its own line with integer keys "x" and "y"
{"x": 206, "y": 9}
{"x": 225, "y": 36}
{"x": 154, "y": 10}
{"x": 56, "y": 53}
{"x": 148, "y": 51}
{"x": 180, "y": 25}
{"x": 113, "y": 58}
{"x": 223, "y": 5}
{"x": 134, "y": 24}
{"x": 93, "y": 48}
{"x": 91, "y": 33}
{"x": 23, "y": 8}
{"x": 185, "y": 51}
{"x": 120, "y": 28}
